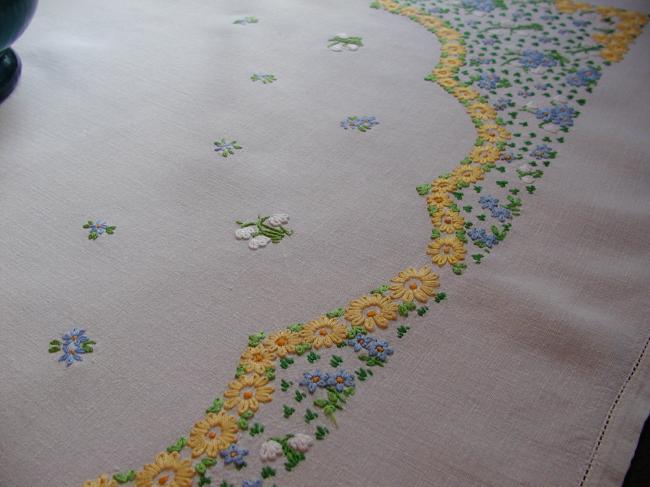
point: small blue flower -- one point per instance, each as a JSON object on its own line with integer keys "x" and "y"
{"x": 583, "y": 77}
{"x": 531, "y": 58}
{"x": 488, "y": 81}
{"x": 500, "y": 213}
{"x": 252, "y": 483}
{"x": 75, "y": 336}
{"x": 542, "y": 152}
{"x": 99, "y": 227}
{"x": 561, "y": 115}
{"x": 488, "y": 202}
{"x": 380, "y": 349}
{"x": 360, "y": 342}
{"x": 234, "y": 454}
{"x": 581, "y": 23}
{"x": 341, "y": 379}
{"x": 315, "y": 379}
{"x": 71, "y": 353}
{"x": 362, "y": 124}
{"x": 481, "y": 235}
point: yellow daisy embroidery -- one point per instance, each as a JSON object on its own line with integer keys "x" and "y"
{"x": 168, "y": 470}
{"x": 481, "y": 111}
{"x": 453, "y": 50}
{"x": 612, "y": 55}
{"x": 447, "y": 221}
{"x": 485, "y": 154}
{"x": 464, "y": 94}
{"x": 323, "y": 332}
{"x": 448, "y": 34}
{"x": 371, "y": 311}
{"x": 491, "y": 132}
{"x": 414, "y": 284}
{"x": 257, "y": 359}
{"x": 443, "y": 185}
{"x": 447, "y": 82}
{"x": 281, "y": 343}
{"x": 214, "y": 433}
{"x": 446, "y": 250}
{"x": 102, "y": 481}
{"x": 442, "y": 73}
{"x": 451, "y": 62}
{"x": 439, "y": 199}
{"x": 468, "y": 174}
{"x": 247, "y": 392}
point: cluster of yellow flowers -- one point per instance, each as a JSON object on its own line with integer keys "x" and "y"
{"x": 447, "y": 248}
{"x": 217, "y": 431}
{"x": 615, "y": 44}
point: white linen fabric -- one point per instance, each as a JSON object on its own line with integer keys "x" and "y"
{"x": 530, "y": 374}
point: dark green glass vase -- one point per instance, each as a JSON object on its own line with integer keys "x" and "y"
{"x": 15, "y": 16}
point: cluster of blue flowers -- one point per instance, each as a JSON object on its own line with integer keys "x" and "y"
{"x": 583, "y": 77}
{"x": 72, "y": 346}
{"x": 361, "y": 123}
{"x": 499, "y": 212}
{"x": 542, "y": 152}
{"x": 482, "y": 5}
{"x": 315, "y": 379}
{"x": 252, "y": 483}
{"x": 379, "y": 349}
{"x": 234, "y": 454}
{"x": 561, "y": 115}
{"x": 481, "y": 235}
{"x": 531, "y": 58}
{"x": 488, "y": 81}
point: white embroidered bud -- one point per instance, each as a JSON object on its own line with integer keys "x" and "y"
{"x": 270, "y": 451}
{"x": 257, "y": 242}
{"x": 246, "y": 232}
{"x": 278, "y": 219}
{"x": 300, "y": 442}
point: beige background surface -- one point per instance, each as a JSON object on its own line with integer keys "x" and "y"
{"x": 509, "y": 383}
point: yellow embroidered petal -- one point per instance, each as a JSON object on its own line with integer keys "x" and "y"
{"x": 439, "y": 199}
{"x": 468, "y": 174}
{"x": 443, "y": 185}
{"x": 168, "y": 470}
{"x": 485, "y": 154}
{"x": 323, "y": 332}
{"x": 492, "y": 132}
{"x": 102, "y": 481}
{"x": 464, "y": 94}
{"x": 247, "y": 392}
{"x": 282, "y": 343}
{"x": 414, "y": 284}
{"x": 371, "y": 311}
{"x": 481, "y": 111}
{"x": 213, "y": 434}
{"x": 447, "y": 221}
{"x": 447, "y": 82}
{"x": 257, "y": 359}
{"x": 446, "y": 250}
